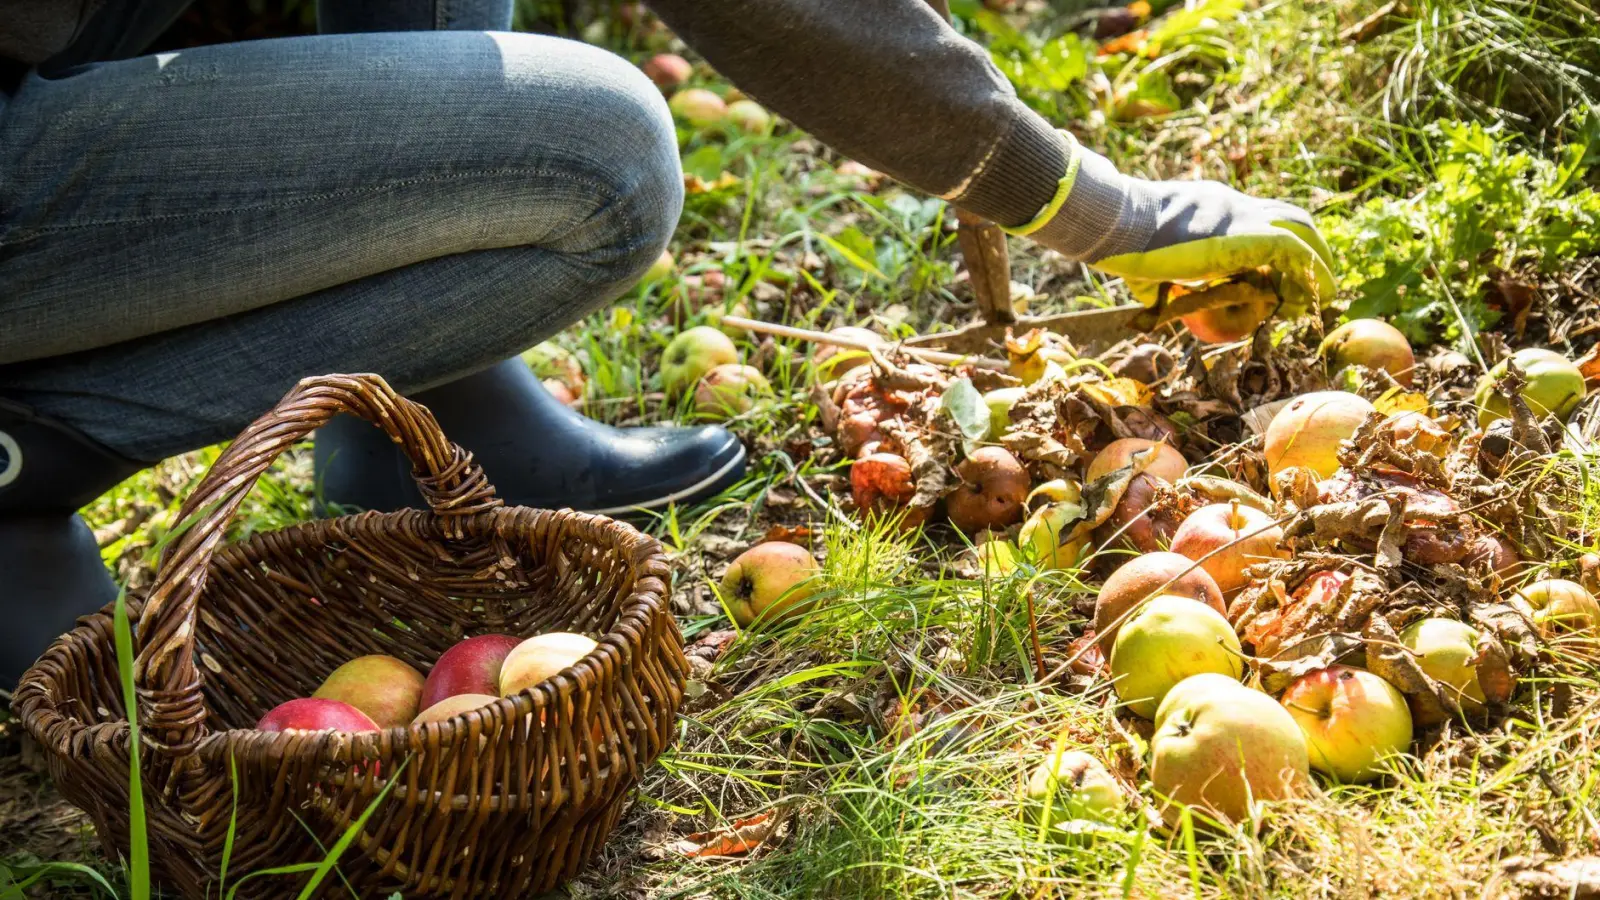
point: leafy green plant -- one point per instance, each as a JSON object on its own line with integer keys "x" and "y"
{"x": 1423, "y": 262}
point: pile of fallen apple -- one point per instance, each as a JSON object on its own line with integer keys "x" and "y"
{"x": 371, "y": 693}
{"x": 1296, "y": 578}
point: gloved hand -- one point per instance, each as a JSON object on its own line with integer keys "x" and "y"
{"x": 1187, "y": 232}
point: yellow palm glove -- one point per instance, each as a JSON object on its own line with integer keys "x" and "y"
{"x": 1193, "y": 233}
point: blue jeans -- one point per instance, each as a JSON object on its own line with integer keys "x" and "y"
{"x": 183, "y": 236}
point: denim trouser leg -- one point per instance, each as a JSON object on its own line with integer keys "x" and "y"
{"x": 184, "y": 236}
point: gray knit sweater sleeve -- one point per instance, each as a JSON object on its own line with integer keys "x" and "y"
{"x": 890, "y": 84}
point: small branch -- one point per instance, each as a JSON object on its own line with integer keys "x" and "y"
{"x": 822, "y": 337}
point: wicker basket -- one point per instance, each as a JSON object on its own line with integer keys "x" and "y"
{"x": 505, "y": 801}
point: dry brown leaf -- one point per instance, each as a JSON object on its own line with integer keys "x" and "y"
{"x": 742, "y": 836}
{"x": 1571, "y": 879}
{"x": 790, "y": 534}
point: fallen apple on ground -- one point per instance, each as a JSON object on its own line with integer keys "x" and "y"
{"x": 386, "y": 689}
{"x": 667, "y": 70}
{"x": 1306, "y": 433}
{"x": 692, "y": 354}
{"x": 1146, "y": 576}
{"x": 1168, "y": 464}
{"x": 1564, "y": 612}
{"x": 1000, "y": 401}
{"x": 729, "y": 390}
{"x": 1373, "y": 344}
{"x": 1555, "y": 386}
{"x": 831, "y": 360}
{"x": 471, "y": 666}
{"x": 1166, "y": 640}
{"x": 996, "y": 559}
{"x": 698, "y": 106}
{"x": 453, "y": 706}
{"x": 541, "y": 657}
{"x": 749, "y": 117}
{"x": 1351, "y": 719}
{"x": 1070, "y": 785}
{"x": 659, "y": 269}
{"x": 314, "y": 714}
{"x": 880, "y": 483}
{"x": 768, "y": 583}
{"x": 1225, "y": 538}
{"x": 1221, "y": 747}
{"x": 1243, "y": 307}
{"x": 1446, "y": 651}
{"x": 993, "y": 486}
{"x": 1045, "y": 538}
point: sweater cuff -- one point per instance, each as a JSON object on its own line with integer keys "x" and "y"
{"x": 1021, "y": 175}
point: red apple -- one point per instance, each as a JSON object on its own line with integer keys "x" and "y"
{"x": 769, "y": 583}
{"x": 1351, "y": 718}
{"x": 1232, "y": 321}
{"x": 313, "y": 714}
{"x": 470, "y": 667}
{"x": 1147, "y": 576}
{"x": 1137, "y": 522}
{"x": 880, "y": 483}
{"x": 667, "y": 70}
{"x": 387, "y": 689}
{"x": 1225, "y": 538}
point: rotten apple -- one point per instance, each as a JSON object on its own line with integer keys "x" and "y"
{"x": 993, "y": 486}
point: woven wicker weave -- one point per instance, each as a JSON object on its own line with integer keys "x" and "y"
{"x": 505, "y": 801}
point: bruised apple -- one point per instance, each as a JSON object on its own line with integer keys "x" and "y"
{"x": 694, "y": 353}
{"x": 1070, "y": 785}
{"x": 386, "y": 689}
{"x": 1220, "y": 748}
{"x": 453, "y": 706}
{"x": 1166, "y": 640}
{"x": 1306, "y": 433}
{"x": 880, "y": 483}
{"x": 314, "y": 714}
{"x": 730, "y": 390}
{"x": 1373, "y": 344}
{"x": 1138, "y": 522}
{"x": 1351, "y": 719}
{"x": 993, "y": 486}
{"x": 471, "y": 666}
{"x": 540, "y": 658}
{"x": 1168, "y": 464}
{"x": 1225, "y": 538}
{"x": 1150, "y": 575}
{"x": 768, "y": 583}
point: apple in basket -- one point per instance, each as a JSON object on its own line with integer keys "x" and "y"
{"x": 313, "y": 714}
{"x": 540, "y": 658}
{"x": 387, "y": 689}
{"x": 470, "y": 667}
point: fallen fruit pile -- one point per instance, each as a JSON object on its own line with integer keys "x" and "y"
{"x": 1310, "y": 560}
{"x": 371, "y": 693}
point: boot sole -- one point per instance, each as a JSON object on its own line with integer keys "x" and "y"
{"x": 708, "y": 485}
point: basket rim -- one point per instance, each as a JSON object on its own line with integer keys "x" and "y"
{"x": 39, "y": 707}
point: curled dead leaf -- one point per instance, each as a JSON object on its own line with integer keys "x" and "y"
{"x": 739, "y": 837}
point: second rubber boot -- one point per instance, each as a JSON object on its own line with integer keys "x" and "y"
{"x": 50, "y": 568}
{"x": 536, "y": 451}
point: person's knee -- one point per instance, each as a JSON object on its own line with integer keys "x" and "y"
{"x": 625, "y": 144}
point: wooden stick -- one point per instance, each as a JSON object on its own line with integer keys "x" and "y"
{"x": 823, "y": 337}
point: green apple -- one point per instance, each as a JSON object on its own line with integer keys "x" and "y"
{"x": 659, "y": 269}
{"x": 1446, "y": 650}
{"x": 1564, "y": 613}
{"x": 698, "y": 106}
{"x": 749, "y": 117}
{"x": 769, "y": 583}
{"x": 1554, "y": 388}
{"x": 1071, "y": 785}
{"x": 996, "y": 559}
{"x": 1351, "y": 719}
{"x": 1044, "y": 536}
{"x": 1220, "y": 747}
{"x": 1165, "y": 641}
{"x": 692, "y": 354}
{"x": 1000, "y": 401}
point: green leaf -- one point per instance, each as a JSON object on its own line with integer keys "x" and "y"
{"x": 966, "y": 406}
{"x": 852, "y": 256}
{"x": 705, "y": 163}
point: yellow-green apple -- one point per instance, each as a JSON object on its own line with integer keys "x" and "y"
{"x": 1070, "y": 785}
{"x": 1150, "y": 575}
{"x": 729, "y": 390}
{"x": 1306, "y": 433}
{"x": 659, "y": 269}
{"x": 1166, "y": 640}
{"x": 694, "y": 353}
{"x": 1234, "y": 320}
{"x": 993, "y": 486}
{"x": 1565, "y": 613}
{"x": 749, "y": 117}
{"x": 540, "y": 658}
{"x": 1447, "y": 651}
{"x": 996, "y": 558}
{"x": 471, "y": 666}
{"x": 1046, "y": 537}
{"x": 831, "y": 360}
{"x": 770, "y": 582}
{"x": 314, "y": 714}
{"x": 1220, "y": 748}
{"x": 453, "y": 706}
{"x": 1225, "y": 538}
{"x": 1000, "y": 401}
{"x": 667, "y": 70}
{"x": 387, "y": 689}
{"x": 1373, "y": 344}
{"x": 1168, "y": 464}
{"x": 1554, "y": 388}
{"x": 1351, "y": 718}
{"x": 698, "y": 106}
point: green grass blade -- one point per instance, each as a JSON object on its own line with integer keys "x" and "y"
{"x": 13, "y": 889}
{"x": 233, "y": 822}
{"x": 349, "y": 836}
{"x": 138, "y": 836}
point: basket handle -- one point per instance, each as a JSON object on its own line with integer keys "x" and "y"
{"x": 172, "y": 708}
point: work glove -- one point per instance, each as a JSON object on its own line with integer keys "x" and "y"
{"x": 1189, "y": 233}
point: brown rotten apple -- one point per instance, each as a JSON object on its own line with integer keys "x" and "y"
{"x": 1148, "y": 576}
{"x": 1225, "y": 538}
{"x": 993, "y": 487}
{"x": 1167, "y": 465}
{"x": 769, "y": 583}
